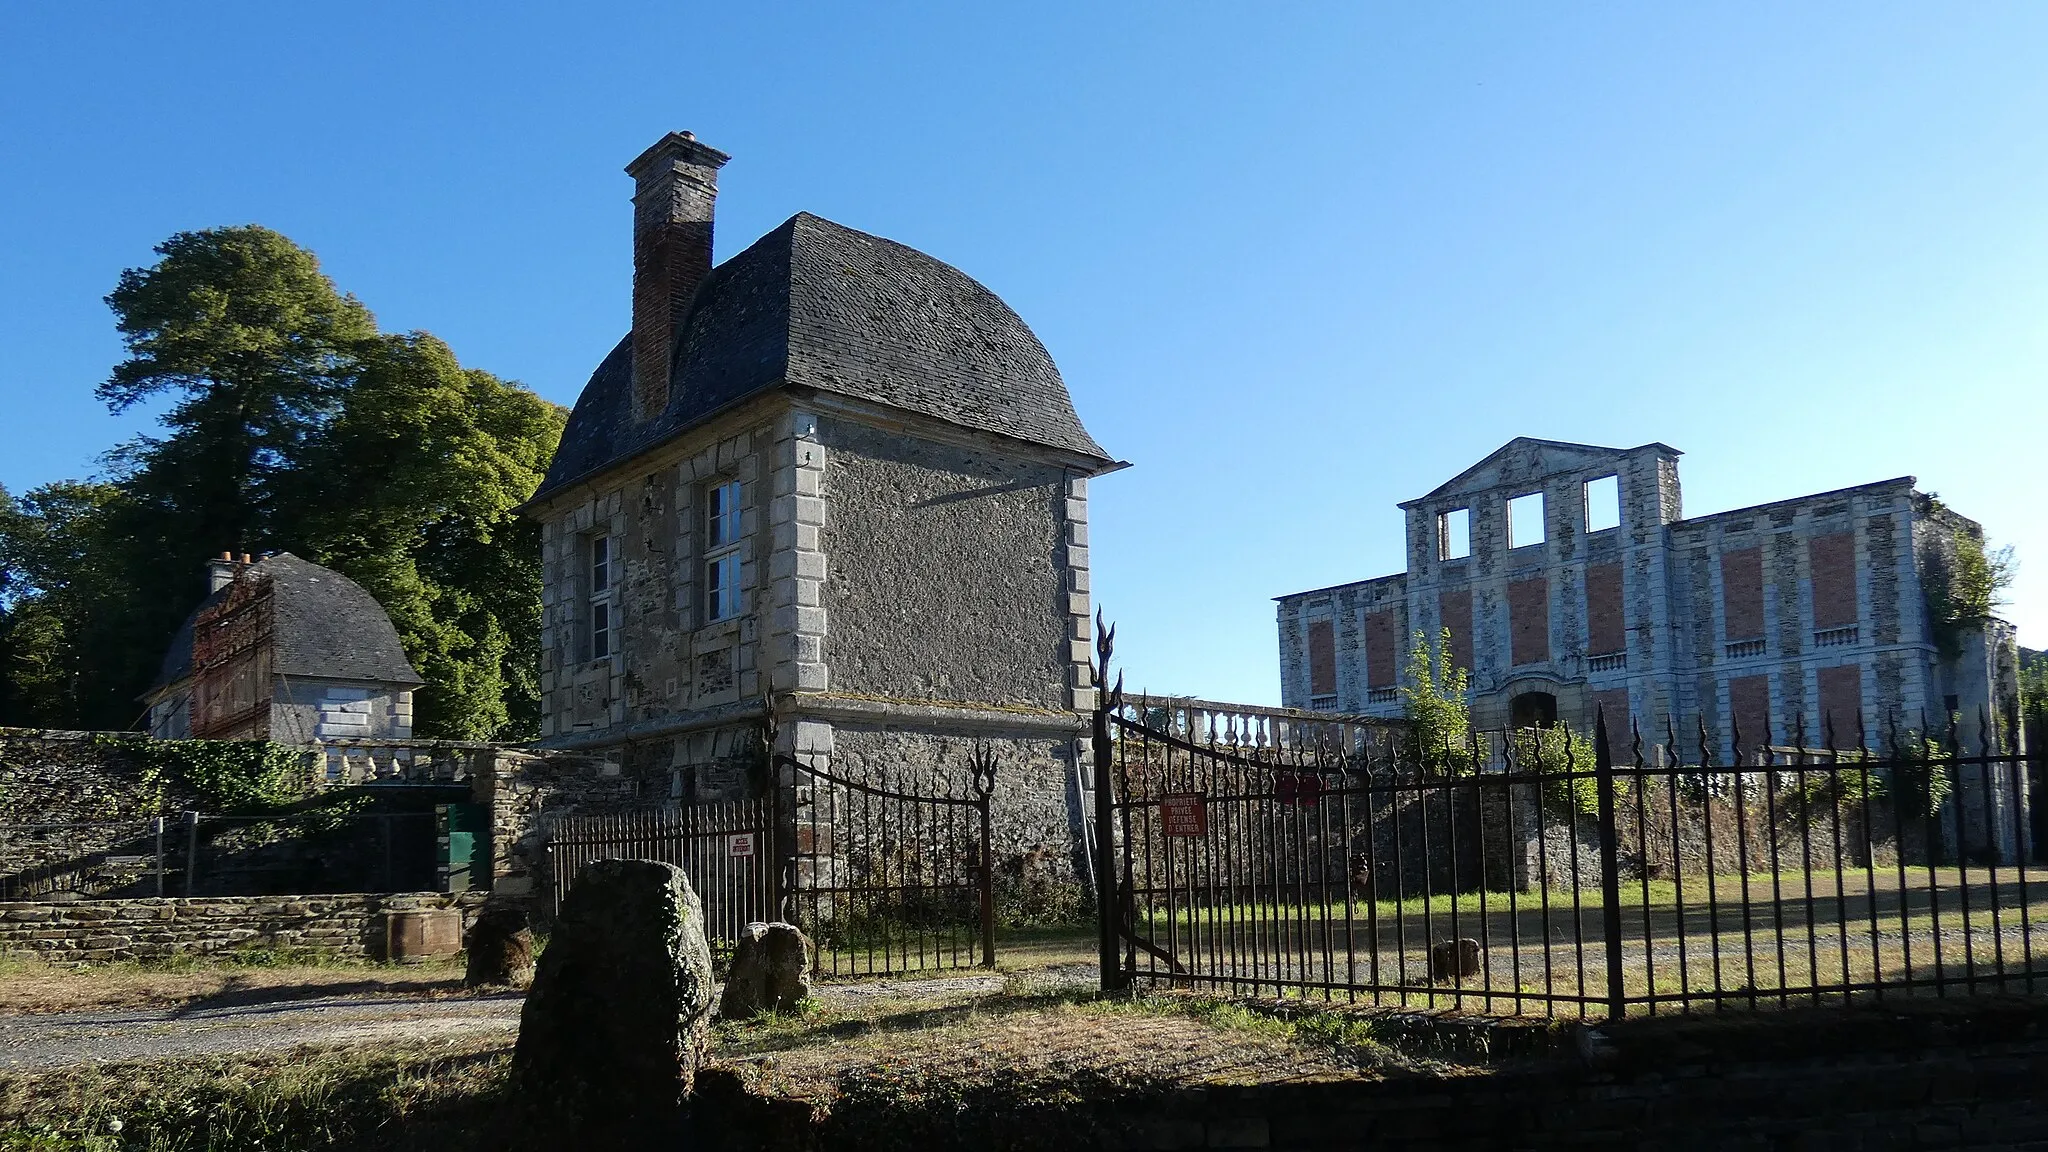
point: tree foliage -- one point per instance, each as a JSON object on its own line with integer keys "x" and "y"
{"x": 1435, "y": 697}
{"x": 291, "y": 424}
{"x": 1963, "y": 582}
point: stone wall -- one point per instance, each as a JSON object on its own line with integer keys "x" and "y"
{"x": 666, "y": 656}
{"x": 945, "y": 574}
{"x": 1033, "y": 820}
{"x": 349, "y": 926}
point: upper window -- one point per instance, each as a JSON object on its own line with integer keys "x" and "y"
{"x": 603, "y": 553}
{"x": 722, "y": 551}
{"x": 1454, "y": 534}
{"x": 1603, "y": 503}
{"x": 1525, "y": 520}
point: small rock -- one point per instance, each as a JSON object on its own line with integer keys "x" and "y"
{"x": 615, "y": 1025}
{"x": 500, "y": 947}
{"x": 771, "y": 971}
{"x": 1454, "y": 959}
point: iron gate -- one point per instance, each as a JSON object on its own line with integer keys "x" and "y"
{"x": 1537, "y": 871}
{"x": 891, "y": 879}
{"x": 727, "y": 850}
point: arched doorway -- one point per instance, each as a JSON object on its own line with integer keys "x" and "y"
{"x": 1532, "y": 710}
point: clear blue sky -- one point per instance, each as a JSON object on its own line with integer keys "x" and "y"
{"x": 1296, "y": 262}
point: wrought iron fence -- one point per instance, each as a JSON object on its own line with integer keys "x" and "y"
{"x": 728, "y": 851}
{"x": 197, "y": 854}
{"x": 1542, "y": 872}
{"x": 885, "y": 878}
{"x": 83, "y": 858}
{"x": 891, "y": 879}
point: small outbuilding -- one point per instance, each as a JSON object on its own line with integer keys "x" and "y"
{"x": 286, "y": 650}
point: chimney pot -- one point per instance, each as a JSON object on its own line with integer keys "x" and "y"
{"x": 675, "y": 189}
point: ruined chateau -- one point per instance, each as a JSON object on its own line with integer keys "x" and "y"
{"x": 830, "y": 493}
{"x": 1573, "y": 583}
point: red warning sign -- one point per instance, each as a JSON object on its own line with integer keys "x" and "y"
{"x": 740, "y": 845}
{"x": 1184, "y": 813}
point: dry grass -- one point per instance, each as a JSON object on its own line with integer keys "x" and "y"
{"x": 415, "y": 1095}
{"x": 30, "y": 985}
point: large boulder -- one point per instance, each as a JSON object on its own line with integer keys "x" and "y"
{"x": 499, "y": 947}
{"x": 771, "y": 972}
{"x": 616, "y": 1021}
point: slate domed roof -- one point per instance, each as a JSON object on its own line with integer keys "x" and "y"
{"x": 323, "y": 626}
{"x": 816, "y": 304}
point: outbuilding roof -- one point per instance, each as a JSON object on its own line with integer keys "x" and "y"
{"x": 323, "y": 626}
{"x": 816, "y": 304}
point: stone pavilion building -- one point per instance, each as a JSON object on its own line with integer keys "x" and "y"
{"x": 831, "y": 492}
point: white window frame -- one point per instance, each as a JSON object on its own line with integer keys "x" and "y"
{"x": 722, "y": 540}
{"x": 600, "y": 557}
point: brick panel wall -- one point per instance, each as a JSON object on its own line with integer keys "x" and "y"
{"x": 1455, "y": 610}
{"x": 1749, "y": 702}
{"x": 1606, "y": 622}
{"x": 1841, "y": 698}
{"x": 1382, "y": 649}
{"x": 1612, "y": 702}
{"x": 1529, "y": 621}
{"x": 1833, "y": 560}
{"x": 1322, "y": 658}
{"x": 1742, "y": 593}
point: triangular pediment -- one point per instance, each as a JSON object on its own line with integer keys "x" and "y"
{"x": 1527, "y": 460}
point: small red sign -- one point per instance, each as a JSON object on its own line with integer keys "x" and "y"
{"x": 1185, "y": 813}
{"x": 1300, "y": 789}
{"x": 740, "y": 845}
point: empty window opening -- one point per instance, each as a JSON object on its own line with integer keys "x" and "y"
{"x": 1533, "y": 710}
{"x": 1454, "y": 534}
{"x": 721, "y": 552}
{"x": 1525, "y": 520}
{"x": 1603, "y": 503}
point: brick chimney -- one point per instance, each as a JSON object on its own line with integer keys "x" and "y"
{"x": 675, "y": 186}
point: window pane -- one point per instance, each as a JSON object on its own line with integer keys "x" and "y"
{"x": 722, "y": 515}
{"x": 600, "y": 563}
{"x": 1525, "y": 520}
{"x": 1603, "y": 503}
{"x": 722, "y": 587}
{"x": 600, "y": 630}
{"x": 1454, "y": 534}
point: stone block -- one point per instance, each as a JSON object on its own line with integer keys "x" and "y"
{"x": 615, "y": 1025}
{"x": 771, "y": 971}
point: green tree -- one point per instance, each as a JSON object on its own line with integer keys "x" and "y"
{"x": 410, "y": 492}
{"x": 1435, "y": 695}
{"x": 293, "y": 424}
{"x": 64, "y": 593}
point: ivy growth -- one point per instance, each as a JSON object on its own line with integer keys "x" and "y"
{"x": 1963, "y": 583}
{"x": 231, "y": 777}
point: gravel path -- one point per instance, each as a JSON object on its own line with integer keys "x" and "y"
{"x": 58, "y": 1039}
{"x": 53, "y": 1040}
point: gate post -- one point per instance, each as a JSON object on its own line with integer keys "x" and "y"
{"x": 983, "y": 763}
{"x": 1610, "y": 866}
{"x": 1106, "y": 902}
